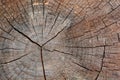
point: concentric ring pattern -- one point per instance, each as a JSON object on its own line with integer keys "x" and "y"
{"x": 59, "y": 39}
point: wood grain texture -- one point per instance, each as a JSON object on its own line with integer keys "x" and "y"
{"x": 59, "y": 39}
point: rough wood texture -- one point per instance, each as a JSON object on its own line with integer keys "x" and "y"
{"x": 59, "y": 40}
